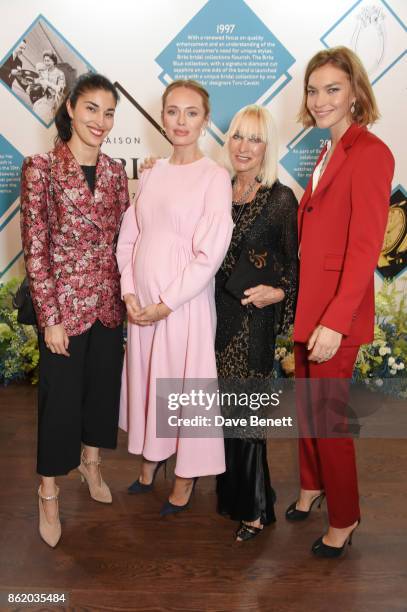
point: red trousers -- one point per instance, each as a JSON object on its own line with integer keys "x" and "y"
{"x": 327, "y": 463}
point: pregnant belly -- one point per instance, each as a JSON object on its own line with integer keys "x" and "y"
{"x": 157, "y": 262}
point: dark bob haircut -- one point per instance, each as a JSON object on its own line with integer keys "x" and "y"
{"x": 51, "y": 55}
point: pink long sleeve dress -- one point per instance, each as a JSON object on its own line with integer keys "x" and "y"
{"x": 171, "y": 244}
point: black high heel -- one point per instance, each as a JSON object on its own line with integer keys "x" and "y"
{"x": 320, "y": 549}
{"x": 139, "y": 487}
{"x": 170, "y": 508}
{"x": 247, "y": 532}
{"x": 293, "y": 514}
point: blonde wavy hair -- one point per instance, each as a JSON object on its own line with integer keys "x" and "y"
{"x": 255, "y": 120}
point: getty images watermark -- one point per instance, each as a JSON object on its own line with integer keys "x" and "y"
{"x": 278, "y": 408}
{"x": 217, "y": 408}
{"x": 211, "y": 401}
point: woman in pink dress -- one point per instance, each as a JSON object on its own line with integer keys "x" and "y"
{"x": 171, "y": 244}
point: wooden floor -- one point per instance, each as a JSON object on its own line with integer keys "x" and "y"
{"x": 125, "y": 557}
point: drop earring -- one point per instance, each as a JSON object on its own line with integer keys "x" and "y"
{"x": 352, "y": 108}
{"x": 203, "y": 132}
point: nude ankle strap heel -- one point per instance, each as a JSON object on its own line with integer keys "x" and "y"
{"x": 49, "y": 532}
{"x": 98, "y": 491}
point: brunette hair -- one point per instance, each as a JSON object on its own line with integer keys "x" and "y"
{"x": 255, "y": 120}
{"x": 345, "y": 59}
{"x": 86, "y": 82}
{"x": 51, "y": 55}
{"x": 189, "y": 84}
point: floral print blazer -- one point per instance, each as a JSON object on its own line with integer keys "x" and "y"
{"x": 69, "y": 238}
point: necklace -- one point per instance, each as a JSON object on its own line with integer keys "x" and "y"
{"x": 237, "y": 212}
{"x": 242, "y": 199}
{"x": 240, "y": 204}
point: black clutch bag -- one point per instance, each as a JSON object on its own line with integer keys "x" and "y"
{"x": 22, "y": 301}
{"x": 253, "y": 268}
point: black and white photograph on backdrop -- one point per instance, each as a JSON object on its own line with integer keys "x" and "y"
{"x": 41, "y": 68}
{"x": 203, "y": 290}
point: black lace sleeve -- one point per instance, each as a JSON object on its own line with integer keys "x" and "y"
{"x": 289, "y": 279}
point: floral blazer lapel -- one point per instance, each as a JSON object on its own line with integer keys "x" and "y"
{"x": 103, "y": 188}
{"x": 67, "y": 174}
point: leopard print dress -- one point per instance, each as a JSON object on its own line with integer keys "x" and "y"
{"x": 245, "y": 341}
{"x": 246, "y": 336}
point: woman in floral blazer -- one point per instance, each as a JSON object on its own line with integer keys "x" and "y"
{"x": 72, "y": 203}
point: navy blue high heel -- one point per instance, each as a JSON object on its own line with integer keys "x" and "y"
{"x": 139, "y": 487}
{"x": 169, "y": 508}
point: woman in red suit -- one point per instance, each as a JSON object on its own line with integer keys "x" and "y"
{"x": 341, "y": 223}
{"x": 72, "y": 202}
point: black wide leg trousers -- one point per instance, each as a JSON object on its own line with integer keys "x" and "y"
{"x": 78, "y": 398}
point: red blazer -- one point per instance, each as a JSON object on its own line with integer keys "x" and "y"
{"x": 341, "y": 229}
{"x": 69, "y": 237}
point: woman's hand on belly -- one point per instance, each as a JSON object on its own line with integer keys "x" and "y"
{"x": 263, "y": 295}
{"x": 132, "y": 306}
{"x": 323, "y": 343}
{"x": 152, "y": 313}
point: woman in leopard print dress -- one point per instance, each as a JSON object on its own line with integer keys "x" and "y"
{"x": 265, "y": 232}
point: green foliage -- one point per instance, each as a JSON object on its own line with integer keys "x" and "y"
{"x": 383, "y": 363}
{"x": 18, "y": 343}
{"x": 380, "y": 364}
